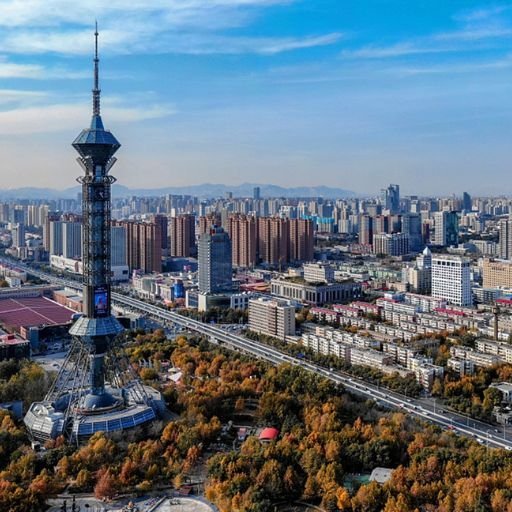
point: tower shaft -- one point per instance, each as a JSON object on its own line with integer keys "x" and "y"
{"x": 97, "y": 327}
{"x": 81, "y": 400}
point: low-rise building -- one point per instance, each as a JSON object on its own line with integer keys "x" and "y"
{"x": 486, "y": 346}
{"x": 320, "y": 272}
{"x": 461, "y": 366}
{"x": 427, "y": 373}
{"x": 272, "y": 317}
{"x": 309, "y": 293}
{"x": 12, "y": 347}
{"x": 505, "y": 388}
{"x": 369, "y": 357}
{"x": 479, "y": 359}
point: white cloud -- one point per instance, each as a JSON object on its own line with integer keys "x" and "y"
{"x": 475, "y": 34}
{"x": 395, "y": 50}
{"x": 480, "y": 13}
{"x": 48, "y": 13}
{"x": 34, "y": 119}
{"x": 12, "y": 70}
{"x": 12, "y": 96}
{"x": 476, "y": 30}
{"x": 80, "y": 42}
{"x": 236, "y": 45}
{"x": 143, "y": 26}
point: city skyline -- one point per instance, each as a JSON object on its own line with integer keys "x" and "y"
{"x": 292, "y": 93}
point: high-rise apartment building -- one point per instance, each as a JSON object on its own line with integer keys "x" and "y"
{"x": 446, "y": 228}
{"x": 207, "y": 221}
{"x": 273, "y": 243}
{"x": 17, "y": 215}
{"x": 47, "y": 229}
{"x": 214, "y": 261}
{"x": 182, "y": 236}
{"x": 505, "y": 240}
{"x": 55, "y": 237}
{"x": 451, "y": 279}
{"x": 302, "y": 240}
{"x": 163, "y": 222}
{"x": 143, "y": 246}
{"x": 71, "y": 240}
{"x": 18, "y": 235}
{"x": 381, "y": 225}
{"x": 243, "y": 234}
{"x": 366, "y": 230}
{"x": 411, "y": 225}
{"x": 396, "y": 244}
{"x": 118, "y": 246}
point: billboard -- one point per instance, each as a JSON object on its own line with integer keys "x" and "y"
{"x": 100, "y": 302}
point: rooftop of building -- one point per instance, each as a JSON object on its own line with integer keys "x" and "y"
{"x": 450, "y": 257}
{"x": 32, "y": 312}
{"x": 268, "y": 434}
{"x": 11, "y": 339}
{"x": 381, "y": 475}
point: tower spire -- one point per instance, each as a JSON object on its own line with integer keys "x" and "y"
{"x": 96, "y": 90}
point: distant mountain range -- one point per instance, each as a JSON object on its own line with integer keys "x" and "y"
{"x": 206, "y": 190}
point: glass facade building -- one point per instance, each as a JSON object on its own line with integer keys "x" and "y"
{"x": 214, "y": 261}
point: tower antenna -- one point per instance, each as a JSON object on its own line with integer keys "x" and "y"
{"x": 96, "y": 90}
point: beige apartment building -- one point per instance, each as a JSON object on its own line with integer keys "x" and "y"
{"x": 272, "y": 317}
{"x": 497, "y": 273}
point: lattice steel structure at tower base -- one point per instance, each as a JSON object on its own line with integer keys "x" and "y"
{"x": 95, "y": 390}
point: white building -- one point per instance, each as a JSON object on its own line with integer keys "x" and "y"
{"x": 18, "y": 235}
{"x": 119, "y": 272}
{"x": 321, "y": 272}
{"x": 395, "y": 244}
{"x": 451, "y": 280}
{"x": 272, "y": 317}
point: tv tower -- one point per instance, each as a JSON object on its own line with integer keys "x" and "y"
{"x": 95, "y": 389}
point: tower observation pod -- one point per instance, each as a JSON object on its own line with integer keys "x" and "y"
{"x": 96, "y": 389}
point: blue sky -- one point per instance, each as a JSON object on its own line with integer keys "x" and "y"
{"x": 348, "y": 93}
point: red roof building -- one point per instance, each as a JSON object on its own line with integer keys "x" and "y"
{"x": 268, "y": 434}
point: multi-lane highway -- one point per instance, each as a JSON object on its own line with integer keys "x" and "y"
{"x": 424, "y": 409}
